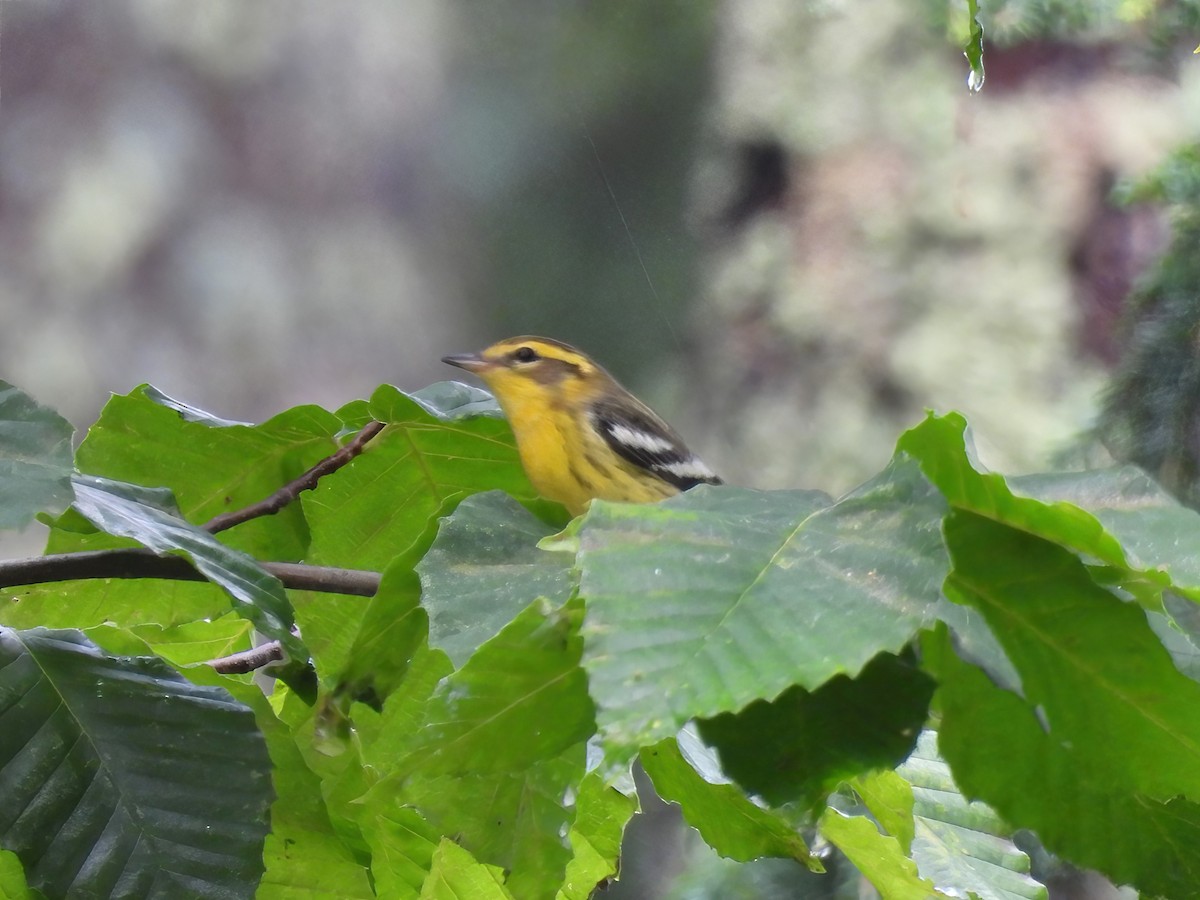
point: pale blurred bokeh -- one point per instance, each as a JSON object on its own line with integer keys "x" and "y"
{"x": 925, "y": 247}
{"x": 787, "y": 224}
{"x": 254, "y": 205}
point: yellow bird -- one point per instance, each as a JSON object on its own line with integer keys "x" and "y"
{"x": 579, "y": 433}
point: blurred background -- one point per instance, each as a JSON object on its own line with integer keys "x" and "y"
{"x": 788, "y": 225}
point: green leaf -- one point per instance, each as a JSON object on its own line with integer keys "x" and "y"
{"x": 457, "y": 875}
{"x": 959, "y": 845}
{"x": 402, "y": 851}
{"x": 601, "y": 814}
{"x": 120, "y": 601}
{"x": 344, "y": 776}
{"x": 332, "y": 625}
{"x": 518, "y": 819}
{"x": 1137, "y": 537}
{"x": 384, "y": 633}
{"x": 877, "y": 856}
{"x": 1093, "y": 513}
{"x": 485, "y": 567}
{"x": 305, "y": 856}
{"x": 890, "y": 799}
{"x": 198, "y": 642}
{"x": 182, "y": 645}
{"x": 108, "y": 768}
{"x": 12, "y": 878}
{"x": 720, "y": 596}
{"x": 1155, "y": 532}
{"x": 1091, "y": 669}
{"x": 513, "y": 820}
{"x": 186, "y": 411}
{"x": 404, "y": 711}
{"x": 521, "y": 698}
{"x": 379, "y": 504}
{"x": 801, "y": 745}
{"x": 1179, "y": 630}
{"x": 35, "y": 458}
{"x": 725, "y": 817}
{"x": 129, "y": 511}
{"x": 211, "y": 465}
{"x": 452, "y": 400}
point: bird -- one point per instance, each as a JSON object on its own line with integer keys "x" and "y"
{"x": 580, "y": 435}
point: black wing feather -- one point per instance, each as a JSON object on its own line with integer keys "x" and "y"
{"x": 609, "y": 419}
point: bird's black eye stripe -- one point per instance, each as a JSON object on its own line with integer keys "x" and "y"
{"x": 524, "y": 355}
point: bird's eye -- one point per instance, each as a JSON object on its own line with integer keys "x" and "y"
{"x": 524, "y": 355}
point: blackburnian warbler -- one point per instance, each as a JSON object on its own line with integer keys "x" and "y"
{"x": 580, "y": 435}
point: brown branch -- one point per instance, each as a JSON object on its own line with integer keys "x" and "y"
{"x": 325, "y": 579}
{"x": 141, "y": 563}
{"x": 248, "y": 660}
{"x": 290, "y": 491}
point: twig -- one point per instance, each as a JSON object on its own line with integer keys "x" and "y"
{"x": 290, "y": 491}
{"x": 325, "y": 579}
{"x": 141, "y": 563}
{"x": 248, "y": 660}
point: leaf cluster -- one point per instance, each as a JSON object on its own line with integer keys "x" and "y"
{"x": 794, "y": 671}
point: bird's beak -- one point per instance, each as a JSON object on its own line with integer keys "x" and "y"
{"x": 472, "y": 362}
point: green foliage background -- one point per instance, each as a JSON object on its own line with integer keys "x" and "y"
{"x": 772, "y": 658}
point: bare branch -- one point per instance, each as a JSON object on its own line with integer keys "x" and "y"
{"x": 141, "y": 563}
{"x": 248, "y": 660}
{"x": 325, "y": 579}
{"x": 290, "y": 491}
